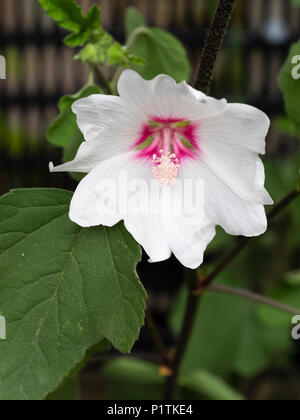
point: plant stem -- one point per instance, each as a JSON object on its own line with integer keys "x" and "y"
{"x": 138, "y": 31}
{"x": 104, "y": 83}
{"x": 254, "y": 297}
{"x": 115, "y": 79}
{"x": 152, "y": 327}
{"x": 213, "y": 44}
{"x": 209, "y": 56}
{"x": 91, "y": 80}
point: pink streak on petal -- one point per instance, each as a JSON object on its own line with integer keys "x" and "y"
{"x": 184, "y": 152}
{"x": 145, "y": 133}
{"x": 191, "y": 133}
{"x": 149, "y": 151}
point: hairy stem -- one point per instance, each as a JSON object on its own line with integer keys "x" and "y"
{"x": 254, "y": 297}
{"x": 103, "y": 82}
{"x": 213, "y": 44}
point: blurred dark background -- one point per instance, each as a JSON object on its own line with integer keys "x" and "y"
{"x": 40, "y": 69}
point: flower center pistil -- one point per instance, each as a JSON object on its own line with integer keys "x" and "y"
{"x": 166, "y": 166}
{"x": 166, "y": 142}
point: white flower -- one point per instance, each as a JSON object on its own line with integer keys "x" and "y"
{"x": 164, "y": 133}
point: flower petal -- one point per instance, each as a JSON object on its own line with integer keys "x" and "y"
{"x": 239, "y": 126}
{"x": 110, "y": 127}
{"x": 187, "y": 246}
{"x": 94, "y": 201}
{"x": 95, "y": 112}
{"x": 230, "y": 143}
{"x": 223, "y": 206}
{"x": 108, "y": 116}
{"x": 239, "y": 172}
{"x": 147, "y": 231}
{"x": 97, "y": 202}
{"x": 165, "y": 98}
{"x": 89, "y": 155}
{"x": 186, "y": 229}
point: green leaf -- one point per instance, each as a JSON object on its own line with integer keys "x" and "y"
{"x": 133, "y": 379}
{"x": 68, "y": 14}
{"x": 68, "y": 391}
{"x": 289, "y": 84}
{"x": 116, "y": 54}
{"x": 210, "y": 386}
{"x": 62, "y": 290}
{"x": 64, "y": 131}
{"x": 90, "y": 29}
{"x": 163, "y": 54}
{"x": 134, "y": 370}
{"x": 285, "y": 126}
{"x": 93, "y": 53}
{"x": 106, "y": 50}
{"x": 101, "y": 347}
{"x": 293, "y": 279}
{"x": 133, "y": 20}
{"x": 64, "y": 127}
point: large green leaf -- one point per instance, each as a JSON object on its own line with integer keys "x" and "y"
{"x": 68, "y": 14}
{"x": 163, "y": 54}
{"x": 62, "y": 289}
{"x": 210, "y": 386}
{"x": 133, "y": 20}
{"x": 290, "y": 85}
{"x": 68, "y": 390}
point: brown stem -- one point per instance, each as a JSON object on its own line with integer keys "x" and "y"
{"x": 213, "y": 44}
{"x": 254, "y": 297}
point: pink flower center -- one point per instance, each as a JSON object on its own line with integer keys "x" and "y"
{"x": 166, "y": 142}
